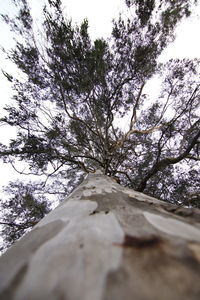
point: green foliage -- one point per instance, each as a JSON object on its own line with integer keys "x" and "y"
{"x": 22, "y": 210}
{"x": 83, "y": 104}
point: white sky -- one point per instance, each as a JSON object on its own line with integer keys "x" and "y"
{"x": 100, "y": 14}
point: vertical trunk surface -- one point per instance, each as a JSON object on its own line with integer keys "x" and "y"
{"x": 106, "y": 242}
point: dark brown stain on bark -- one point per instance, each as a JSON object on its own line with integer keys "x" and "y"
{"x": 141, "y": 242}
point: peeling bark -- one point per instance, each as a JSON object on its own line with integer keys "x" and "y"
{"x": 106, "y": 242}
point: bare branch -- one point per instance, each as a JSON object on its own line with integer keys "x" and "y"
{"x": 120, "y": 142}
{"x": 193, "y": 157}
{"x": 134, "y": 113}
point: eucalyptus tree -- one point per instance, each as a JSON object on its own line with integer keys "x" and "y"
{"x": 80, "y": 105}
{"x": 106, "y": 241}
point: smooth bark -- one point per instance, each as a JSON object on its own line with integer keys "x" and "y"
{"x": 106, "y": 242}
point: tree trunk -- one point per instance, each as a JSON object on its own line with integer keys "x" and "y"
{"x": 106, "y": 242}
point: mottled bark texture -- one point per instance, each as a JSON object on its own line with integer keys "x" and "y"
{"x": 106, "y": 242}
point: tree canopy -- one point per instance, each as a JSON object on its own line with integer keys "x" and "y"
{"x": 80, "y": 105}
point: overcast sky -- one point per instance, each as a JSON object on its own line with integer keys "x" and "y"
{"x": 100, "y": 14}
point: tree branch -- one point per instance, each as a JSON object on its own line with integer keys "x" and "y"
{"x": 74, "y": 117}
{"x": 193, "y": 157}
{"x": 160, "y": 165}
{"x": 134, "y": 113}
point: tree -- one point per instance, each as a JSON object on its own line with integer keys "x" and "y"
{"x": 74, "y": 95}
{"x": 22, "y": 211}
{"x": 106, "y": 242}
